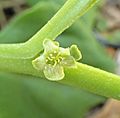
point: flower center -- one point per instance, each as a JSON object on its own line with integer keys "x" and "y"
{"x": 53, "y": 58}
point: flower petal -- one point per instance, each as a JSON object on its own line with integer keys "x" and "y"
{"x": 50, "y": 46}
{"x": 68, "y": 61}
{"x": 75, "y": 52}
{"x": 54, "y": 73}
{"x": 39, "y": 63}
{"x": 64, "y": 51}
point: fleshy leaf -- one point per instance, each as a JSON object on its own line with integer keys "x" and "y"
{"x": 68, "y": 61}
{"x": 75, "y": 52}
{"x": 39, "y": 63}
{"x": 54, "y": 73}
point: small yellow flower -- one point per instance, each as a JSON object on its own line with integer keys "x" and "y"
{"x": 55, "y": 58}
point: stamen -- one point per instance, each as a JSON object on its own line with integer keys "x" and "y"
{"x": 46, "y": 60}
{"x": 45, "y": 67}
{"x": 49, "y": 58}
{"x": 55, "y": 63}
{"x": 55, "y": 52}
{"x": 51, "y": 55}
{"x": 54, "y": 58}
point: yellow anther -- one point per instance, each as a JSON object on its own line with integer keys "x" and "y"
{"x": 46, "y": 60}
{"x": 51, "y": 55}
{"x": 55, "y": 52}
{"x": 49, "y": 58}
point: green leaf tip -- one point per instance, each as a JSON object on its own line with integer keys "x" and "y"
{"x": 54, "y": 59}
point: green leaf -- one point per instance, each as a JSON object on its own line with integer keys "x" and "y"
{"x": 30, "y": 97}
{"x": 30, "y": 20}
{"x": 33, "y": 2}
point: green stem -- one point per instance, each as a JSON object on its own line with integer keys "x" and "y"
{"x": 86, "y": 77}
{"x": 13, "y": 51}
{"x": 93, "y": 80}
{"x": 63, "y": 19}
